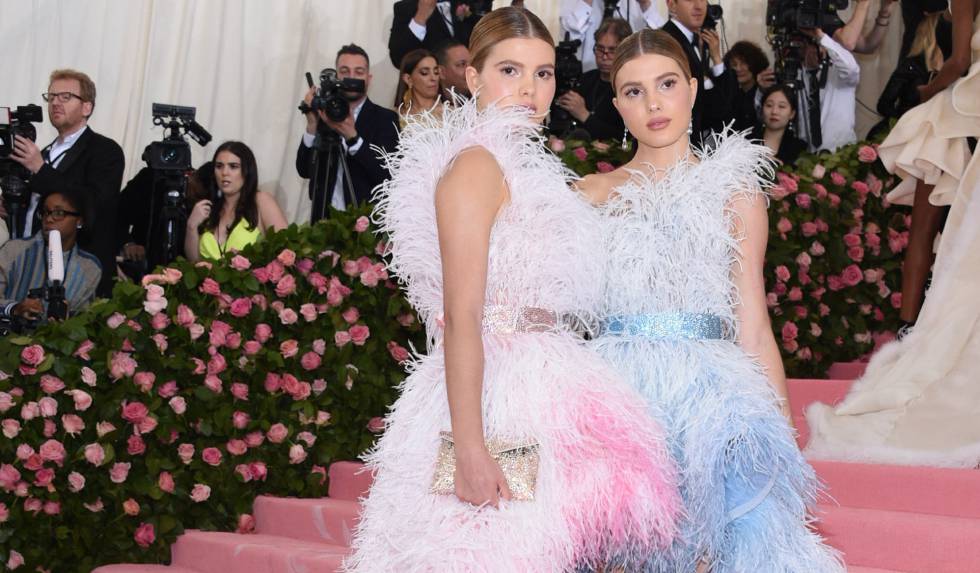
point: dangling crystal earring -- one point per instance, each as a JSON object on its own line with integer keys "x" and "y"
{"x": 690, "y": 126}
{"x": 626, "y": 143}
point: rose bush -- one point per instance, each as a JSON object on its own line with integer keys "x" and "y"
{"x": 176, "y": 402}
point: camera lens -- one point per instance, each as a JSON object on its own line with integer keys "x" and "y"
{"x": 170, "y": 155}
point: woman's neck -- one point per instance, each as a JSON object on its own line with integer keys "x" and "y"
{"x": 773, "y": 138}
{"x": 420, "y": 103}
{"x": 231, "y": 202}
{"x": 662, "y": 157}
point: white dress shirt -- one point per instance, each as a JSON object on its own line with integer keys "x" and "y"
{"x": 56, "y": 152}
{"x": 581, "y": 21}
{"x": 445, "y": 10}
{"x": 337, "y": 200}
{"x": 838, "y": 98}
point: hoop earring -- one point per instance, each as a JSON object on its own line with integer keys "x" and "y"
{"x": 626, "y": 144}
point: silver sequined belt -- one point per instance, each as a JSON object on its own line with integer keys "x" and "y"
{"x": 666, "y": 326}
{"x": 503, "y": 319}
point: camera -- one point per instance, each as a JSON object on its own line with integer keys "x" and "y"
{"x": 714, "y": 15}
{"x": 174, "y": 153}
{"x": 13, "y": 175}
{"x": 787, "y": 16}
{"x": 332, "y": 96}
{"x": 568, "y": 77}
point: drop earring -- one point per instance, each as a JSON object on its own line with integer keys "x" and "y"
{"x": 626, "y": 143}
{"x": 690, "y": 126}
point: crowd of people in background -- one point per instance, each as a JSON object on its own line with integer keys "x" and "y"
{"x": 738, "y": 89}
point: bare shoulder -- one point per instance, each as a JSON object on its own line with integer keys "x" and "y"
{"x": 474, "y": 172}
{"x": 598, "y": 187}
{"x": 264, "y": 198}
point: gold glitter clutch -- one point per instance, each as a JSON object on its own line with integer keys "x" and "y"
{"x": 518, "y": 461}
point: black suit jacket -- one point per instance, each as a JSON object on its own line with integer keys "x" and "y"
{"x": 376, "y": 126}
{"x": 402, "y": 40}
{"x": 712, "y": 108}
{"x": 94, "y": 163}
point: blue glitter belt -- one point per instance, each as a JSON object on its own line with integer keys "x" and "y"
{"x": 666, "y": 326}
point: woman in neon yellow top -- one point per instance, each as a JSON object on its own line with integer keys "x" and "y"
{"x": 238, "y": 215}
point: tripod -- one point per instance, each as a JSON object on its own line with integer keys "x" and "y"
{"x": 165, "y": 234}
{"x": 329, "y": 153}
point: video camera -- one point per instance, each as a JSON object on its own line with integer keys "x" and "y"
{"x": 334, "y": 95}
{"x": 568, "y": 77}
{"x": 714, "y": 15}
{"x": 787, "y": 16}
{"x": 13, "y": 175}
{"x": 170, "y": 160}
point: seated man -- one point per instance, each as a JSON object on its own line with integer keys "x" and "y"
{"x": 592, "y": 106}
{"x": 23, "y": 262}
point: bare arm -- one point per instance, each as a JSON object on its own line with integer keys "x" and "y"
{"x": 755, "y": 330}
{"x": 270, "y": 215}
{"x": 467, "y": 200}
{"x": 870, "y": 42}
{"x": 850, "y": 34}
{"x": 963, "y": 14}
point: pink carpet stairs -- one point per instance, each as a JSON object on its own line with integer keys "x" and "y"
{"x": 883, "y": 518}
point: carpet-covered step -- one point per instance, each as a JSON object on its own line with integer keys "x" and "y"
{"x": 219, "y": 552}
{"x": 135, "y": 568}
{"x": 937, "y": 491}
{"x": 902, "y": 541}
{"x": 804, "y": 391}
{"x": 859, "y": 569}
{"x": 348, "y": 480}
{"x": 323, "y": 520}
{"x": 846, "y": 370}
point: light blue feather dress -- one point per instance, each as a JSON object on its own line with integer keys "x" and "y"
{"x": 669, "y": 326}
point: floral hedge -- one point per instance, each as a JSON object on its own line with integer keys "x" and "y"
{"x": 833, "y": 265}
{"x": 176, "y": 402}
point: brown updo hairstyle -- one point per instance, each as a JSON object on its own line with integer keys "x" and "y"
{"x": 504, "y": 24}
{"x": 648, "y": 41}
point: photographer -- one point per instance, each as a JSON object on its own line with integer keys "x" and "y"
{"x": 367, "y": 125}
{"x": 838, "y": 96}
{"x": 594, "y": 110}
{"x": 78, "y": 156}
{"x": 716, "y": 84}
{"x": 580, "y": 20}
{"x": 23, "y": 262}
{"x": 748, "y": 62}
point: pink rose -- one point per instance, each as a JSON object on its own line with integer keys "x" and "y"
{"x": 782, "y": 273}
{"x": 95, "y": 454}
{"x": 83, "y": 349}
{"x": 241, "y": 307}
{"x": 580, "y": 153}
{"x": 212, "y": 383}
{"x": 288, "y": 316}
{"x": 252, "y": 347}
{"x": 168, "y": 389}
{"x": 604, "y": 166}
{"x": 185, "y": 316}
{"x": 272, "y": 382}
{"x": 210, "y": 287}
{"x": 72, "y": 424}
{"x": 48, "y": 406}
{"x": 803, "y": 259}
{"x": 32, "y": 355}
{"x": 145, "y": 535}
{"x": 818, "y": 171}
{"x": 370, "y": 278}
{"x": 852, "y": 275}
{"x": 341, "y": 338}
{"x": 308, "y": 311}
{"x": 837, "y": 179}
{"x": 263, "y": 332}
{"x": 211, "y": 456}
{"x": 820, "y": 190}
{"x": 240, "y": 419}
{"x": 246, "y": 523}
{"x": 556, "y": 144}
{"x": 115, "y": 320}
{"x": 867, "y": 154}
{"x": 351, "y": 315}
{"x": 135, "y": 445}
{"x": 856, "y": 254}
{"x": 239, "y": 391}
{"x": 166, "y": 482}
{"x": 835, "y": 283}
{"x": 29, "y": 411}
{"x": 287, "y": 257}
{"x": 178, "y": 405}
{"x": 122, "y": 365}
{"x": 49, "y": 428}
{"x": 258, "y": 471}
{"x": 94, "y": 507}
{"x": 787, "y": 181}
{"x": 119, "y": 472}
{"x": 76, "y": 482}
{"x": 131, "y": 507}
{"x": 52, "y": 507}
{"x": 861, "y": 187}
{"x": 11, "y": 428}
{"x": 277, "y": 433}
{"x": 296, "y": 454}
{"x": 25, "y": 451}
{"x": 240, "y": 263}
{"x": 14, "y": 560}
{"x": 9, "y": 476}
{"x": 103, "y": 428}
{"x": 286, "y": 286}
{"x": 52, "y": 451}
{"x": 359, "y": 334}
{"x": 795, "y": 294}
{"x": 784, "y": 225}
{"x": 789, "y": 331}
{"x": 816, "y": 249}
{"x": 319, "y": 346}
{"x": 896, "y": 300}
{"x": 406, "y": 319}
{"x": 361, "y": 224}
{"x": 290, "y": 384}
{"x": 160, "y": 340}
{"x": 376, "y": 424}
{"x": 4, "y": 513}
{"x": 289, "y": 348}
{"x": 397, "y": 352}
{"x": 43, "y": 477}
{"x": 310, "y": 361}
{"x": 51, "y": 384}
{"x": 852, "y": 240}
{"x": 809, "y": 229}
{"x": 144, "y": 381}
{"x": 88, "y": 376}
{"x": 803, "y": 200}
{"x": 834, "y": 199}
{"x": 134, "y": 412}
{"x": 200, "y": 492}
{"x": 305, "y": 265}
{"x": 186, "y": 453}
{"x": 236, "y": 447}
{"x": 306, "y": 437}
{"x": 243, "y": 471}
{"x": 254, "y": 439}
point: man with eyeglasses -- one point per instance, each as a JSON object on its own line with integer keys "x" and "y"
{"x": 79, "y": 156}
{"x": 592, "y": 104}
{"x": 580, "y": 19}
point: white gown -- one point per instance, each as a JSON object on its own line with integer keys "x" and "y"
{"x": 918, "y": 403}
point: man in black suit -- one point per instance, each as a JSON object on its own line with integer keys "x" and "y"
{"x": 428, "y": 24}
{"x": 367, "y": 126}
{"x": 716, "y": 84}
{"x": 78, "y": 157}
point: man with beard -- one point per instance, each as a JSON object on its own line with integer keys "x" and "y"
{"x": 367, "y": 126}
